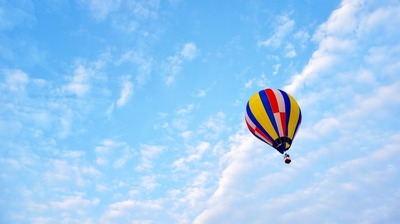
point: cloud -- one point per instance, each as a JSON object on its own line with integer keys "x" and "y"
{"x": 200, "y": 93}
{"x": 195, "y": 154}
{"x": 189, "y": 51}
{"x": 79, "y": 84}
{"x": 336, "y": 40}
{"x": 185, "y": 110}
{"x": 144, "y": 9}
{"x": 116, "y": 153}
{"x": 43, "y": 106}
{"x": 283, "y": 27}
{"x": 240, "y": 161}
{"x": 276, "y": 69}
{"x": 290, "y": 51}
{"x": 73, "y": 202}
{"x": 148, "y": 154}
{"x": 143, "y": 65}
{"x": 302, "y": 36}
{"x": 261, "y": 80}
{"x": 130, "y": 210}
{"x": 101, "y": 9}
{"x": 214, "y": 126}
{"x": 64, "y": 171}
{"x": 173, "y": 65}
{"x": 15, "y": 81}
{"x": 14, "y": 14}
{"x": 125, "y": 16}
{"x": 149, "y": 182}
{"x": 126, "y": 92}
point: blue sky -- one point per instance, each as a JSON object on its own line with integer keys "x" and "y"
{"x": 133, "y": 111}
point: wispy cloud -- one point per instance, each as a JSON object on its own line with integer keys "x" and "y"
{"x": 15, "y": 81}
{"x": 16, "y": 14}
{"x": 101, "y": 10}
{"x": 125, "y": 16}
{"x": 80, "y": 81}
{"x": 283, "y": 27}
{"x": 185, "y": 110}
{"x": 74, "y": 202}
{"x": 173, "y": 64}
{"x": 148, "y": 154}
{"x": 142, "y": 64}
{"x": 126, "y": 92}
{"x": 189, "y": 51}
{"x": 214, "y": 125}
{"x": 121, "y": 210}
{"x": 200, "y": 93}
{"x": 114, "y": 153}
{"x": 195, "y": 154}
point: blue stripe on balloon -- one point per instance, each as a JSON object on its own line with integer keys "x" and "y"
{"x": 298, "y": 123}
{"x": 287, "y": 110}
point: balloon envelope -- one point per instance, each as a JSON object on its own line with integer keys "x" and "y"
{"x": 274, "y": 117}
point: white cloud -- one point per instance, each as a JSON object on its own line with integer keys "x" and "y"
{"x": 249, "y": 83}
{"x": 214, "y": 125}
{"x": 365, "y": 76}
{"x": 185, "y": 110}
{"x": 73, "y": 202}
{"x": 186, "y": 135}
{"x": 143, "y": 65}
{"x": 101, "y": 9}
{"x": 16, "y": 80}
{"x": 146, "y": 9}
{"x": 189, "y": 51}
{"x": 149, "y": 183}
{"x": 341, "y": 38}
{"x": 129, "y": 210}
{"x": 276, "y": 69}
{"x": 126, "y": 92}
{"x": 302, "y": 36}
{"x": 261, "y": 80}
{"x": 75, "y": 154}
{"x": 290, "y": 51}
{"x": 14, "y": 14}
{"x": 173, "y": 65}
{"x": 62, "y": 171}
{"x": 113, "y": 152}
{"x": 148, "y": 154}
{"x": 319, "y": 63}
{"x": 283, "y": 27}
{"x": 79, "y": 82}
{"x": 240, "y": 161}
{"x": 195, "y": 154}
{"x": 327, "y": 125}
{"x": 200, "y": 93}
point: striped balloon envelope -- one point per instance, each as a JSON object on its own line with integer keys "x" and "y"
{"x": 274, "y": 117}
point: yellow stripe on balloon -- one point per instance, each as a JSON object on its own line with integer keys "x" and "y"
{"x": 294, "y": 117}
{"x": 258, "y": 110}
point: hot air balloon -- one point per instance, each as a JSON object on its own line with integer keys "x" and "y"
{"x": 274, "y": 117}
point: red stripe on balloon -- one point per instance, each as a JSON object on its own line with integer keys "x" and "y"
{"x": 283, "y": 120}
{"x": 272, "y": 100}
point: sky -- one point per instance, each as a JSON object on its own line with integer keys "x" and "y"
{"x": 120, "y": 111}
